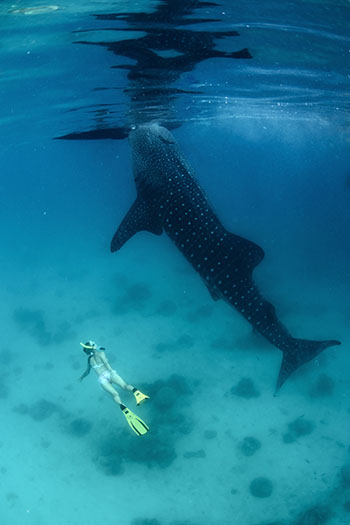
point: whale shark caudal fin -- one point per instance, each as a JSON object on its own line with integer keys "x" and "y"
{"x": 299, "y": 354}
{"x": 140, "y": 217}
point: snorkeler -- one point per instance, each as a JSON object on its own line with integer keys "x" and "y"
{"x": 98, "y": 361}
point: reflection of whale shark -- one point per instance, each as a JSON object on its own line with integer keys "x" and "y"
{"x": 169, "y": 199}
{"x": 156, "y": 48}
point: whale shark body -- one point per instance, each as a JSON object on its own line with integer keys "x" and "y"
{"x": 169, "y": 199}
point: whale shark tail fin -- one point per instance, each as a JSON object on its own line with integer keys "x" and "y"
{"x": 301, "y": 352}
{"x": 242, "y": 53}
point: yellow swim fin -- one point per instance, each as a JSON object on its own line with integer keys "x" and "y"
{"x": 139, "y": 396}
{"x": 139, "y": 427}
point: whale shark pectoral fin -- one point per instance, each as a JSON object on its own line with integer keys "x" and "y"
{"x": 250, "y": 254}
{"x": 300, "y": 353}
{"x": 140, "y": 217}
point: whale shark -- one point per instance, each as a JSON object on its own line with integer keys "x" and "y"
{"x": 170, "y": 199}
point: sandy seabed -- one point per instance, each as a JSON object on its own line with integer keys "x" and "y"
{"x": 67, "y": 454}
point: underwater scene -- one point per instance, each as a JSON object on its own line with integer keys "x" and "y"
{"x": 175, "y": 261}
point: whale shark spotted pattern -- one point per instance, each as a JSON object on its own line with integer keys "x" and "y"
{"x": 169, "y": 199}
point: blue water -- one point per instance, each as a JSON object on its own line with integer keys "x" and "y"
{"x": 268, "y": 139}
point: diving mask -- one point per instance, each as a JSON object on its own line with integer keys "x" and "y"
{"x": 91, "y": 345}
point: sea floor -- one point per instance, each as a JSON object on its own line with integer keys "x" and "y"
{"x": 67, "y": 454}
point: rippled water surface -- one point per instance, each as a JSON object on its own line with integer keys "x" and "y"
{"x": 298, "y": 70}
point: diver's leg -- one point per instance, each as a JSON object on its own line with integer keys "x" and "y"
{"x": 139, "y": 396}
{"x": 108, "y": 387}
{"x": 115, "y": 378}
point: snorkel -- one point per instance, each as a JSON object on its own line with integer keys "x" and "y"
{"x": 90, "y": 346}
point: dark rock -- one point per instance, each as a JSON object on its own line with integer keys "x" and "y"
{"x": 261, "y": 487}
{"x": 145, "y": 521}
{"x": 111, "y": 464}
{"x": 347, "y": 506}
{"x": 317, "y": 515}
{"x": 200, "y": 313}
{"x": 289, "y": 437}
{"x": 184, "y": 424}
{"x": 166, "y": 308}
{"x": 345, "y": 473}
{"x": 272, "y": 523}
{"x": 323, "y": 387}
{"x": 137, "y": 295}
{"x": 79, "y": 427}
{"x": 42, "y": 410}
{"x": 169, "y": 416}
{"x": 249, "y": 445}
{"x": 64, "y": 332}
{"x": 297, "y": 428}
{"x": 180, "y": 384}
{"x": 185, "y": 341}
{"x": 163, "y": 346}
{"x": 182, "y": 522}
{"x": 153, "y": 452}
{"x": 165, "y": 397}
{"x": 33, "y": 322}
{"x": 195, "y": 454}
{"x": 245, "y": 388}
{"x": 301, "y": 426}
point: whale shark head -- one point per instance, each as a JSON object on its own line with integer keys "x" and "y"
{"x": 149, "y": 136}
{"x": 153, "y": 153}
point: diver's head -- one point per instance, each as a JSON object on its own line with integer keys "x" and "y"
{"x": 90, "y": 346}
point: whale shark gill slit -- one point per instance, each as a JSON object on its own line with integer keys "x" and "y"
{"x": 169, "y": 199}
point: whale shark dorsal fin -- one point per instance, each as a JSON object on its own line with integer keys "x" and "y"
{"x": 250, "y": 254}
{"x": 139, "y": 218}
